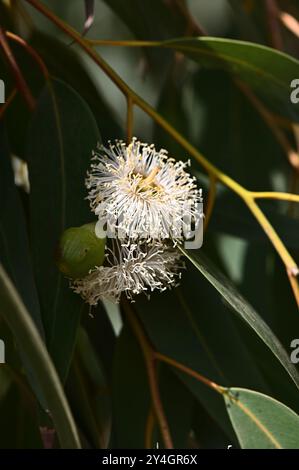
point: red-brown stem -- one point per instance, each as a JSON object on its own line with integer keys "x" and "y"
{"x": 149, "y": 357}
{"x": 20, "y": 82}
{"x": 149, "y": 428}
{"x": 188, "y": 371}
{"x": 130, "y": 118}
{"x": 272, "y": 11}
{"x": 30, "y": 51}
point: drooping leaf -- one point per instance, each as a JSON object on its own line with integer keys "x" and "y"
{"x": 266, "y": 71}
{"x": 29, "y": 341}
{"x": 261, "y": 422}
{"x": 62, "y": 136}
{"x": 14, "y": 245}
{"x": 242, "y": 308}
{"x": 15, "y": 254}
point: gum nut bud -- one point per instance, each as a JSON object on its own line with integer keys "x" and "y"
{"x": 79, "y": 251}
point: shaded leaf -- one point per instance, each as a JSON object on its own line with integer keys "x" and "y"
{"x": 14, "y": 245}
{"x": 130, "y": 394}
{"x": 19, "y": 415}
{"x": 29, "y": 341}
{"x": 62, "y": 136}
{"x": 64, "y": 63}
{"x": 243, "y": 309}
{"x": 88, "y": 392}
{"x": 178, "y": 404}
{"x": 268, "y": 72}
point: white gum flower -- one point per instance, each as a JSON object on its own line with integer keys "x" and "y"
{"x": 142, "y": 193}
{"x": 132, "y": 269}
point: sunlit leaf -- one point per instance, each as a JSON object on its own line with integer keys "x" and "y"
{"x": 261, "y": 422}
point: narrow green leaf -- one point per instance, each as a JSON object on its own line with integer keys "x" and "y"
{"x": 61, "y": 139}
{"x": 242, "y": 308}
{"x": 261, "y": 422}
{"x": 268, "y": 72}
{"x": 14, "y": 244}
{"x": 14, "y": 249}
{"x": 16, "y": 315}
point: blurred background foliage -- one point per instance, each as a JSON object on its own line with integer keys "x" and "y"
{"x": 98, "y": 357}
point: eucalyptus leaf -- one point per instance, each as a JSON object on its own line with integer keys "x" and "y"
{"x": 62, "y": 135}
{"x": 266, "y": 71}
{"x": 14, "y": 243}
{"x": 261, "y": 422}
{"x": 242, "y": 308}
{"x": 16, "y": 315}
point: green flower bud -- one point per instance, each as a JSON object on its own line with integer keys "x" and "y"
{"x": 79, "y": 251}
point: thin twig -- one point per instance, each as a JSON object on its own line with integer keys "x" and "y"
{"x": 120, "y": 43}
{"x": 223, "y": 391}
{"x": 149, "y": 429}
{"x": 189, "y": 371}
{"x": 20, "y": 82}
{"x": 193, "y": 27}
{"x": 275, "y": 195}
{"x": 149, "y": 358}
{"x": 272, "y": 11}
{"x": 30, "y": 51}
